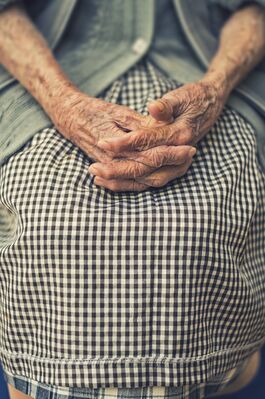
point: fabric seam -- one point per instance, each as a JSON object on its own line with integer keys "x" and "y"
{"x": 136, "y": 360}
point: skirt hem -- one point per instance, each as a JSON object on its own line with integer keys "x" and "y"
{"x": 143, "y": 372}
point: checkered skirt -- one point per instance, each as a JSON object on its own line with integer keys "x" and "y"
{"x": 210, "y": 389}
{"x": 163, "y": 287}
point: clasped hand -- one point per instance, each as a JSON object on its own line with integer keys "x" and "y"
{"x": 134, "y": 152}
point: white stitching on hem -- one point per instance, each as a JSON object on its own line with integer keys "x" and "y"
{"x": 135, "y": 360}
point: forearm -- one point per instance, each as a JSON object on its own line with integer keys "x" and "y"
{"x": 241, "y": 48}
{"x": 26, "y": 55}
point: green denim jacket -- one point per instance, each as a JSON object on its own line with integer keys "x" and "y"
{"x": 120, "y": 33}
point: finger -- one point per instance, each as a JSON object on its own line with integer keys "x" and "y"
{"x": 120, "y": 185}
{"x": 119, "y": 169}
{"x": 143, "y": 163}
{"x": 165, "y": 174}
{"x": 125, "y": 143}
{"x": 133, "y": 120}
{"x": 161, "y": 110}
{"x": 128, "y": 122}
{"x": 173, "y": 134}
{"x": 169, "y": 106}
{"x": 164, "y": 155}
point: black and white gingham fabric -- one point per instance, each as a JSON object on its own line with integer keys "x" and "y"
{"x": 163, "y": 287}
{"x": 209, "y": 389}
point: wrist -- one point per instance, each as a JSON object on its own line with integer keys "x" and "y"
{"x": 220, "y": 82}
{"x": 62, "y": 98}
{"x": 59, "y": 91}
{"x": 69, "y": 106}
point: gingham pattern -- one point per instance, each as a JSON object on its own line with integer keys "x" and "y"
{"x": 132, "y": 289}
{"x": 210, "y": 389}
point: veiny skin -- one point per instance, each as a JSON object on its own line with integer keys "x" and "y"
{"x": 95, "y": 119}
{"x": 163, "y": 138}
{"x": 197, "y": 105}
{"x": 151, "y": 150}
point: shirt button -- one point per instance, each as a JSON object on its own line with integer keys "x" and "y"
{"x": 139, "y": 46}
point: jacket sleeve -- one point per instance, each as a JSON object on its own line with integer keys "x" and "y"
{"x": 5, "y": 3}
{"x": 233, "y": 5}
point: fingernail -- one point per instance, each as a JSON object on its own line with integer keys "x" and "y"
{"x": 92, "y": 169}
{"x": 192, "y": 152}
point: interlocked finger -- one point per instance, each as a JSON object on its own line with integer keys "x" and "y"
{"x": 142, "y": 163}
{"x": 164, "y": 155}
{"x": 121, "y": 185}
{"x": 157, "y": 179}
{"x": 164, "y": 175}
{"x": 178, "y": 132}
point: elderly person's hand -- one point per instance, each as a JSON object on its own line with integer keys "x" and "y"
{"x": 189, "y": 112}
{"x": 192, "y": 109}
{"x": 143, "y": 154}
{"x": 81, "y": 118}
{"x": 85, "y": 120}
{"x": 195, "y": 107}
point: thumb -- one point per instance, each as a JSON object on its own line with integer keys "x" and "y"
{"x": 165, "y": 108}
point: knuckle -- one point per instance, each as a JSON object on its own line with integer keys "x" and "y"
{"x": 188, "y": 129}
{"x": 104, "y": 157}
{"x": 185, "y": 135}
{"x": 172, "y": 137}
{"x": 136, "y": 170}
{"x": 133, "y": 169}
{"x": 173, "y": 155}
{"x": 166, "y": 131}
{"x": 139, "y": 141}
{"x": 139, "y": 137}
{"x": 157, "y": 157}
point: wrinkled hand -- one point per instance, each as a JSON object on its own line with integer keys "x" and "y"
{"x": 192, "y": 110}
{"x": 156, "y": 167}
{"x": 123, "y": 174}
{"x": 85, "y": 120}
